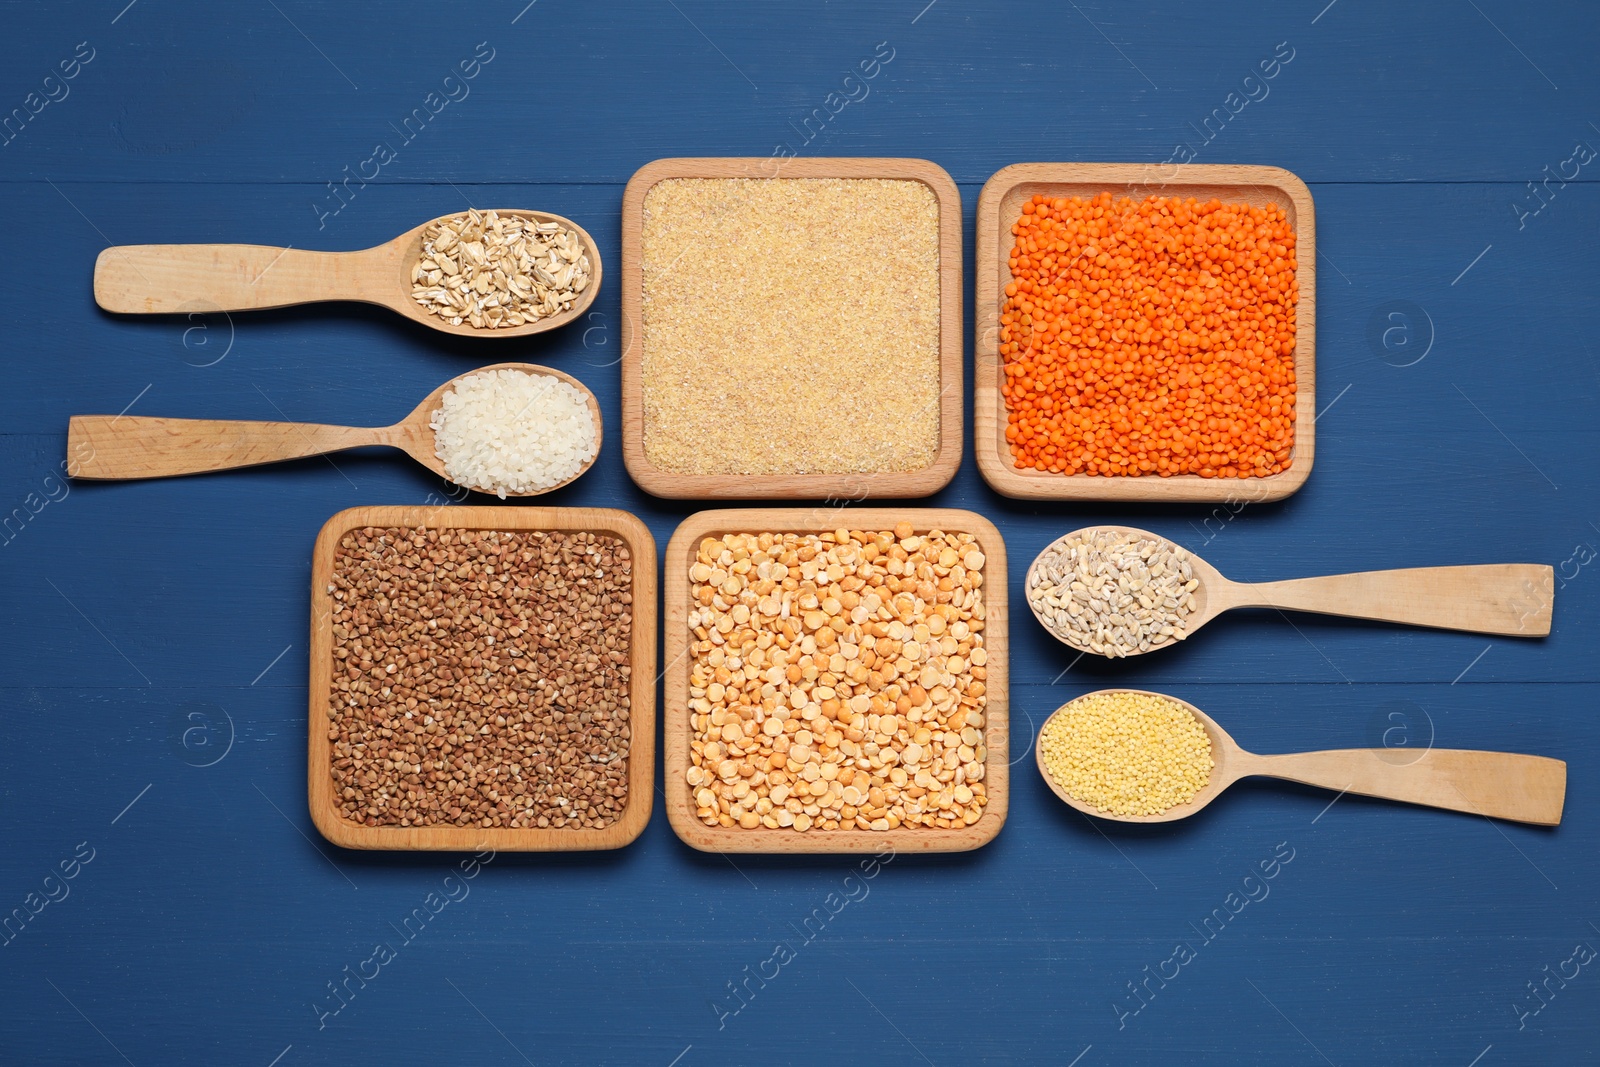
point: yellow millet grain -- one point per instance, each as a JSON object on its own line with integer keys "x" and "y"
{"x": 790, "y": 325}
{"x": 837, "y": 681}
{"x": 1127, "y": 753}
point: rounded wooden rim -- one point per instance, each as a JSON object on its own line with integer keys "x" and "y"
{"x": 1223, "y": 747}
{"x": 922, "y": 482}
{"x": 641, "y": 698}
{"x": 1210, "y": 580}
{"x": 409, "y": 245}
{"x": 422, "y": 416}
{"x": 991, "y": 274}
{"x": 676, "y": 727}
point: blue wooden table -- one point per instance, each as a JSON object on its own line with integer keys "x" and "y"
{"x": 178, "y": 906}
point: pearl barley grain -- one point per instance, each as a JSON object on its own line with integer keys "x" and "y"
{"x": 1113, "y": 593}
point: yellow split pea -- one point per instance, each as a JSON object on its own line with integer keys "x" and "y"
{"x": 838, "y": 680}
{"x": 1127, "y": 753}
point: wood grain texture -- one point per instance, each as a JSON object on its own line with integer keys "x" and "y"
{"x": 135, "y": 446}
{"x": 851, "y": 487}
{"x": 117, "y": 447}
{"x": 1500, "y": 785}
{"x": 200, "y": 279}
{"x": 1000, "y": 205}
{"x": 642, "y": 658}
{"x": 1512, "y": 599}
{"x": 678, "y": 733}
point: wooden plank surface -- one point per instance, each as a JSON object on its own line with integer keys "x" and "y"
{"x": 1108, "y": 84}
{"x": 152, "y": 691}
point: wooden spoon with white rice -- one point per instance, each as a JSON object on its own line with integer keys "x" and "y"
{"x": 511, "y": 429}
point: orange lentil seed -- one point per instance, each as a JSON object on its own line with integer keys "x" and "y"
{"x": 1150, "y": 337}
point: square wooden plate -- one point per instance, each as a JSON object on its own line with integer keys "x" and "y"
{"x": 678, "y": 733}
{"x": 642, "y": 658}
{"x": 1000, "y": 205}
{"x": 852, "y": 487}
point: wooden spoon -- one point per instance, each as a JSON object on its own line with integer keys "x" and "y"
{"x": 1501, "y": 785}
{"x": 1514, "y": 599}
{"x": 185, "y": 279}
{"x": 129, "y": 446}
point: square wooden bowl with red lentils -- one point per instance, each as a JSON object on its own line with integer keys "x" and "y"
{"x": 482, "y": 677}
{"x": 836, "y": 680}
{"x": 1145, "y": 332}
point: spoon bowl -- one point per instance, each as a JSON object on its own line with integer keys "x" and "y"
{"x": 414, "y": 434}
{"x": 1512, "y": 599}
{"x": 128, "y": 446}
{"x": 1501, "y": 785}
{"x": 207, "y": 278}
{"x": 1225, "y": 768}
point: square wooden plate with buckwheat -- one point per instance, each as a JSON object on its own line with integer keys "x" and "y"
{"x": 482, "y": 677}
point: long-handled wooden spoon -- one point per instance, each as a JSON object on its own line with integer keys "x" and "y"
{"x": 180, "y": 279}
{"x": 1501, "y": 785}
{"x": 1514, "y": 599}
{"x": 128, "y": 446}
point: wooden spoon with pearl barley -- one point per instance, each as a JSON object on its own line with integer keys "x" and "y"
{"x": 1501, "y": 785}
{"x": 207, "y": 278}
{"x": 1511, "y": 599}
{"x": 130, "y": 446}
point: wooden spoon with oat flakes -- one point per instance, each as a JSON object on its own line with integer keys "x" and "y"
{"x": 508, "y": 273}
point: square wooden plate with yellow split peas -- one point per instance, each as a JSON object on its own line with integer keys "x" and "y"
{"x": 842, "y": 692}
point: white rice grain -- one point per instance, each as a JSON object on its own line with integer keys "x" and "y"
{"x": 509, "y": 431}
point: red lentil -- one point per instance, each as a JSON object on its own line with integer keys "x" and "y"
{"x": 1150, "y": 337}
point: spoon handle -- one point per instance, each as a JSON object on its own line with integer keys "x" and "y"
{"x": 130, "y": 446}
{"x": 1501, "y": 598}
{"x": 1502, "y": 785}
{"x": 196, "y": 279}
